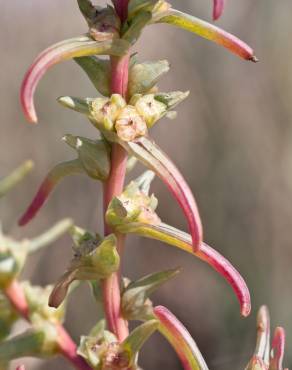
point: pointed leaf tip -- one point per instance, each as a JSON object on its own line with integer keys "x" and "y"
{"x": 48, "y": 185}
{"x": 208, "y": 31}
{"x": 218, "y": 7}
{"x": 155, "y": 159}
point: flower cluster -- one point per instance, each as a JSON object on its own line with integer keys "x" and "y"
{"x": 128, "y": 104}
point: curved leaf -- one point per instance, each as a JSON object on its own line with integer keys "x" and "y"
{"x": 10, "y": 181}
{"x": 48, "y": 185}
{"x": 154, "y": 158}
{"x": 181, "y": 340}
{"x": 218, "y": 7}
{"x": 207, "y": 31}
{"x": 180, "y": 239}
{"x": 278, "y": 348}
{"x": 64, "y": 50}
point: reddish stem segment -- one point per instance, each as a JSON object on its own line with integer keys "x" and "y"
{"x": 113, "y": 187}
{"x": 68, "y": 348}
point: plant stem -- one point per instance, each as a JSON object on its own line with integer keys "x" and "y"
{"x": 111, "y": 286}
{"x": 113, "y": 187}
{"x": 67, "y": 347}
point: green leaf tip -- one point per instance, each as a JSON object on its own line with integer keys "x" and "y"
{"x": 135, "y": 302}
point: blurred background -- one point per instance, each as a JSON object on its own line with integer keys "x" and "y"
{"x": 232, "y": 140}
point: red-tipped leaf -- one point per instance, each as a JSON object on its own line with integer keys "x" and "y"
{"x": 278, "y": 348}
{"x": 218, "y": 7}
{"x": 64, "y": 50}
{"x": 180, "y": 339}
{"x": 155, "y": 159}
{"x": 48, "y": 185}
{"x": 207, "y": 31}
{"x": 182, "y": 240}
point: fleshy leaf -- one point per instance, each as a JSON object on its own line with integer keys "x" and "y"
{"x": 218, "y": 7}
{"x": 86, "y": 8}
{"x": 144, "y": 76}
{"x": 94, "y": 155}
{"x": 57, "y": 174}
{"x": 49, "y": 236}
{"x": 278, "y": 348}
{"x": 135, "y": 302}
{"x": 136, "y": 26}
{"x": 155, "y": 159}
{"x": 207, "y": 31}
{"x": 79, "y": 105}
{"x": 27, "y": 344}
{"x": 98, "y": 71}
{"x": 134, "y": 342}
{"x": 10, "y": 181}
{"x": 138, "y": 5}
{"x": 180, "y": 239}
{"x": 180, "y": 339}
{"x": 65, "y": 50}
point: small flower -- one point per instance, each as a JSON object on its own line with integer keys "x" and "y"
{"x": 130, "y": 124}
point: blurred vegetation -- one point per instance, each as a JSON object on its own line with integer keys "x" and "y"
{"x": 232, "y": 140}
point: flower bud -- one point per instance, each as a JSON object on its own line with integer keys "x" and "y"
{"x": 130, "y": 124}
{"x": 105, "y": 111}
{"x": 134, "y": 204}
{"x": 150, "y": 109}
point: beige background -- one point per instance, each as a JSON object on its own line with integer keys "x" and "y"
{"x": 232, "y": 140}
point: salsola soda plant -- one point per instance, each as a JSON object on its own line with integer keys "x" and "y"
{"x": 129, "y": 103}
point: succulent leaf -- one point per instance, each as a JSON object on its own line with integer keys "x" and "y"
{"x": 218, "y": 7}
{"x": 278, "y": 349}
{"x": 98, "y": 71}
{"x": 57, "y": 174}
{"x": 144, "y": 76}
{"x": 135, "y": 302}
{"x": 180, "y": 339}
{"x": 27, "y": 344}
{"x": 180, "y": 239}
{"x": 136, "y": 339}
{"x": 10, "y": 181}
{"x": 207, "y": 31}
{"x": 49, "y": 236}
{"x": 94, "y": 155}
{"x": 65, "y": 50}
{"x": 136, "y": 26}
{"x": 155, "y": 159}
